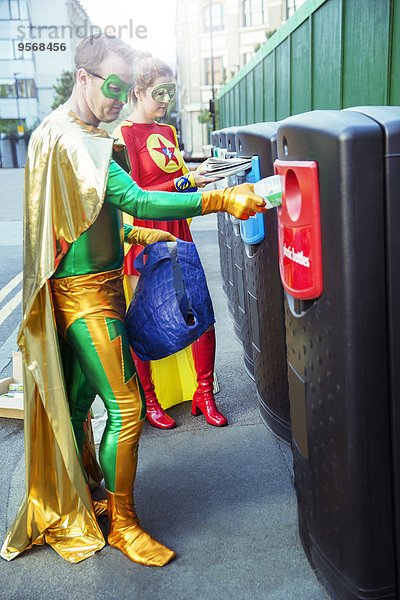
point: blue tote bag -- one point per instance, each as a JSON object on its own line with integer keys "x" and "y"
{"x": 171, "y": 307}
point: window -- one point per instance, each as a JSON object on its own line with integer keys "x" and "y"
{"x": 254, "y": 12}
{"x": 213, "y": 17}
{"x": 14, "y": 6}
{"x": 218, "y": 71}
{"x": 23, "y": 11}
{"x": 20, "y": 54}
{"x": 246, "y": 57}
{"x": 8, "y": 126}
{"x": 13, "y": 9}
{"x": 9, "y": 50}
{"x": 7, "y": 88}
{"x": 4, "y": 9}
{"x": 6, "y": 50}
{"x": 26, "y": 88}
{"x": 290, "y": 8}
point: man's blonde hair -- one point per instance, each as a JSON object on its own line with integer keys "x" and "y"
{"x": 93, "y": 49}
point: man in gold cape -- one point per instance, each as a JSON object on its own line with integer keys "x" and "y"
{"x": 72, "y": 335}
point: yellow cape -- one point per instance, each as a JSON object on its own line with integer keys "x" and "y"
{"x": 65, "y": 182}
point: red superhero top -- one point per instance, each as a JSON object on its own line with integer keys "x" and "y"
{"x": 156, "y": 162}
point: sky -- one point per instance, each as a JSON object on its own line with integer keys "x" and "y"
{"x": 154, "y": 18}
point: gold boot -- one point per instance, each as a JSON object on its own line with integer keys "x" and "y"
{"x": 126, "y": 534}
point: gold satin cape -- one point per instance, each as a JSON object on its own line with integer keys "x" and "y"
{"x": 65, "y": 181}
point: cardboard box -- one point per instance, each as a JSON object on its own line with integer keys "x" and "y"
{"x": 13, "y": 408}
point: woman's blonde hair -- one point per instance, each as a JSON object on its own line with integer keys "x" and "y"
{"x": 146, "y": 72}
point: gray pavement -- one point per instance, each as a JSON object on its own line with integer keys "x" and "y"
{"x": 223, "y": 499}
{"x": 11, "y": 214}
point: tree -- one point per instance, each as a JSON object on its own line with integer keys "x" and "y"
{"x": 268, "y": 34}
{"x": 63, "y": 88}
{"x": 204, "y": 117}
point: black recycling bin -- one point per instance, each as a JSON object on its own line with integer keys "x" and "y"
{"x": 334, "y": 252}
{"x": 232, "y": 259}
{"x": 214, "y": 142}
{"x": 241, "y": 320}
{"x": 264, "y": 292}
{"x": 230, "y": 141}
{"x": 241, "y": 317}
{"x": 223, "y": 224}
{"x": 388, "y": 117}
{"x": 226, "y": 237}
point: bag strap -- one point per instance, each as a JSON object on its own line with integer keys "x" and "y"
{"x": 187, "y": 252}
{"x": 155, "y": 253}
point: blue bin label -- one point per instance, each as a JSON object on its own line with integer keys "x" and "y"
{"x": 253, "y": 230}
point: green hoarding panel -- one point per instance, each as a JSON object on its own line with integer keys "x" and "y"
{"x": 226, "y": 109}
{"x": 326, "y": 56}
{"x": 269, "y": 87}
{"x": 221, "y": 109}
{"x": 258, "y": 94}
{"x": 394, "y": 95}
{"x": 242, "y": 102}
{"x": 329, "y": 54}
{"x": 282, "y": 57}
{"x": 250, "y": 98}
{"x": 300, "y": 60}
{"x": 231, "y": 117}
{"x": 236, "y": 105}
{"x": 365, "y": 51}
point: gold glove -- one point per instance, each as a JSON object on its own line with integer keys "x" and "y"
{"x": 239, "y": 201}
{"x": 143, "y": 236}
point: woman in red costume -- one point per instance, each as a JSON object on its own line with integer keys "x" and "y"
{"x": 157, "y": 164}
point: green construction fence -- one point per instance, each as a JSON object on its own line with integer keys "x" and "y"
{"x": 330, "y": 54}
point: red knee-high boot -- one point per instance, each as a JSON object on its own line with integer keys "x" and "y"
{"x": 155, "y": 413}
{"x": 203, "y": 399}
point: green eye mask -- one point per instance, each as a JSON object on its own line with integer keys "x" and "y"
{"x": 164, "y": 92}
{"x": 114, "y": 87}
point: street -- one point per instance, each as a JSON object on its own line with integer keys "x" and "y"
{"x": 11, "y": 217}
{"x": 223, "y": 498}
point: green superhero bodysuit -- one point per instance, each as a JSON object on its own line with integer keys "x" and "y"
{"x": 73, "y": 338}
{"x": 90, "y": 328}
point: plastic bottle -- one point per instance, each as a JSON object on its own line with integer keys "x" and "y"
{"x": 270, "y": 188}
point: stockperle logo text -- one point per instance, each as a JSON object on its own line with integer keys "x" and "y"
{"x": 297, "y": 257}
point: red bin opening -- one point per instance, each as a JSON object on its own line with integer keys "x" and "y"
{"x": 299, "y": 229}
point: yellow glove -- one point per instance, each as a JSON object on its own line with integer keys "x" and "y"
{"x": 143, "y": 236}
{"x": 239, "y": 201}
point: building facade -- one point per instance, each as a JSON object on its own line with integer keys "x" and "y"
{"x": 215, "y": 39}
{"x": 37, "y": 42}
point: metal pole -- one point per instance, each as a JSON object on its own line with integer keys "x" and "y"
{"x": 212, "y": 103}
{"x": 17, "y": 100}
